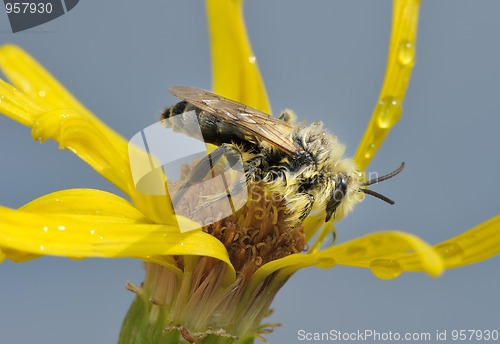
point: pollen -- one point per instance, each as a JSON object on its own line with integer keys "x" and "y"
{"x": 255, "y": 234}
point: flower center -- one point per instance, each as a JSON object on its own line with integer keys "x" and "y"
{"x": 253, "y": 235}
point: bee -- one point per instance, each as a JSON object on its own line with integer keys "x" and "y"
{"x": 302, "y": 163}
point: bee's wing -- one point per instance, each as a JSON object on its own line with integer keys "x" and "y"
{"x": 257, "y": 123}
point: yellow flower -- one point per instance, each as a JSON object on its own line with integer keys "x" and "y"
{"x": 83, "y": 223}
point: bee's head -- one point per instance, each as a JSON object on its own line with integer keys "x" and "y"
{"x": 348, "y": 187}
{"x": 338, "y": 195}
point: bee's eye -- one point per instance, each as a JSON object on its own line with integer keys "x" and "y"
{"x": 337, "y": 196}
{"x": 340, "y": 188}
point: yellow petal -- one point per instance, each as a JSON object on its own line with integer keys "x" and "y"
{"x": 17, "y": 106}
{"x": 376, "y": 252}
{"x": 312, "y": 224}
{"x": 371, "y": 251}
{"x": 327, "y": 229}
{"x": 397, "y": 76}
{"x": 234, "y": 67}
{"x": 78, "y": 133}
{"x": 42, "y": 93}
{"x": 83, "y": 202}
{"x": 54, "y": 113}
{"x": 477, "y": 244}
{"x": 35, "y": 81}
{"x": 96, "y": 224}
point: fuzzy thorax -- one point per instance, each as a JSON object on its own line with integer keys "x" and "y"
{"x": 327, "y": 167}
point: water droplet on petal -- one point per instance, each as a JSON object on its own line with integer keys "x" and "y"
{"x": 406, "y": 53}
{"x": 42, "y": 93}
{"x": 252, "y": 59}
{"x": 325, "y": 262}
{"x": 42, "y": 248}
{"x": 386, "y": 268}
{"x": 388, "y": 112}
{"x": 377, "y": 240}
{"x": 370, "y": 151}
{"x": 61, "y": 228}
{"x": 92, "y": 232}
{"x": 45, "y": 229}
{"x": 452, "y": 253}
{"x": 356, "y": 251}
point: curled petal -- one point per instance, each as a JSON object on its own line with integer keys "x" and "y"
{"x": 79, "y": 134}
{"x": 28, "y": 76}
{"x": 370, "y": 251}
{"x": 42, "y": 103}
{"x": 374, "y": 251}
{"x": 400, "y": 62}
{"x": 234, "y": 67}
{"x": 477, "y": 244}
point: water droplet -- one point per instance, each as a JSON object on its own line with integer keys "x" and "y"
{"x": 45, "y": 229}
{"x": 356, "y": 251}
{"x": 252, "y": 59}
{"x": 406, "y": 53}
{"x": 325, "y": 262}
{"x": 452, "y": 253}
{"x": 370, "y": 151}
{"x": 388, "y": 112}
{"x": 377, "y": 240}
{"x": 92, "y": 232}
{"x": 61, "y": 228}
{"x": 42, "y": 248}
{"x": 386, "y": 268}
{"x": 42, "y": 93}
{"x": 101, "y": 237}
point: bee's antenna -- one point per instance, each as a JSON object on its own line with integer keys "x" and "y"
{"x": 378, "y": 180}
{"x": 377, "y": 195}
{"x": 381, "y": 179}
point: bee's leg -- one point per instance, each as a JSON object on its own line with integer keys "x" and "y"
{"x": 252, "y": 171}
{"x": 306, "y": 209}
{"x": 205, "y": 165}
{"x": 232, "y": 193}
{"x": 288, "y": 115}
{"x": 299, "y": 204}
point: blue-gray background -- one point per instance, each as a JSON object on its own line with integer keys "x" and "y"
{"x": 324, "y": 59}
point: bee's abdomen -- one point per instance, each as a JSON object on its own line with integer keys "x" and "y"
{"x": 178, "y": 109}
{"x": 188, "y": 119}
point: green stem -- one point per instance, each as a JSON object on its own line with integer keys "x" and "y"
{"x": 137, "y": 328}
